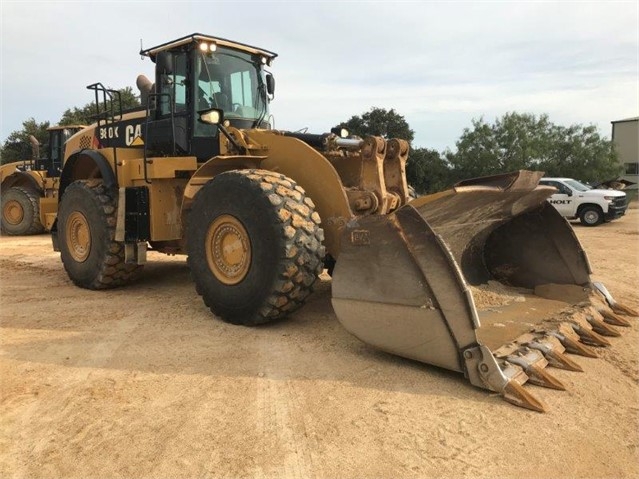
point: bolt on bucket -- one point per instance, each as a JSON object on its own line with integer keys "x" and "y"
{"x": 485, "y": 278}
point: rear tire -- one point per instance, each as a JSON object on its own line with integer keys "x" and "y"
{"x": 254, "y": 246}
{"x": 86, "y": 232}
{"x": 591, "y": 215}
{"x": 21, "y": 211}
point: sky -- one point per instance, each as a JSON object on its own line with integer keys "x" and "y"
{"x": 439, "y": 64}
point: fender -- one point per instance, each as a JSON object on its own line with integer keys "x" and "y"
{"x": 86, "y": 164}
{"x": 213, "y": 167}
{"x": 82, "y": 165}
{"x": 313, "y": 172}
{"x": 21, "y": 178}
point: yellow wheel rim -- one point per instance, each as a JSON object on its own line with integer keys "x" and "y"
{"x": 13, "y": 212}
{"x": 228, "y": 250}
{"x": 78, "y": 236}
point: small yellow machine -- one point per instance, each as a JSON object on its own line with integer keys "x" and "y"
{"x": 198, "y": 170}
{"x": 29, "y": 188}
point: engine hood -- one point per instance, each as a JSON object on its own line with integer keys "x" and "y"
{"x": 599, "y": 193}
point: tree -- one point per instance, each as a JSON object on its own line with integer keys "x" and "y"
{"x": 86, "y": 114}
{"x": 581, "y": 152}
{"x": 525, "y": 141}
{"x": 17, "y": 146}
{"x": 426, "y": 170}
{"x": 379, "y": 122}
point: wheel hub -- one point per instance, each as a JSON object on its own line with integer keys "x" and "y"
{"x": 13, "y": 212}
{"x": 228, "y": 249}
{"x": 78, "y": 236}
{"x": 591, "y": 217}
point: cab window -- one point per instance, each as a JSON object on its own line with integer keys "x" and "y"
{"x": 242, "y": 88}
{"x": 175, "y": 85}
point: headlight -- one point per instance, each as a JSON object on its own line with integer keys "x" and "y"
{"x": 610, "y": 198}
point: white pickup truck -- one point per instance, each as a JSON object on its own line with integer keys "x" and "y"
{"x": 576, "y": 200}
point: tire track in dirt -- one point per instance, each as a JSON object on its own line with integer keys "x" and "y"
{"x": 75, "y": 378}
{"x": 280, "y": 416}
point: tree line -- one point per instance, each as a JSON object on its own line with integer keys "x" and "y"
{"x": 17, "y": 146}
{"x": 514, "y": 141}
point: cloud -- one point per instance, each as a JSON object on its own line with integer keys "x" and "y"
{"x": 438, "y": 64}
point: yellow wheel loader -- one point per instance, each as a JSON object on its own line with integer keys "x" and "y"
{"x": 485, "y": 278}
{"x": 29, "y": 188}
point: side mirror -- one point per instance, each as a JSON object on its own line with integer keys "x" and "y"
{"x": 270, "y": 84}
{"x": 213, "y": 116}
{"x": 164, "y": 63}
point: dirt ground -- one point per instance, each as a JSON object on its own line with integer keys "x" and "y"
{"x": 145, "y": 382}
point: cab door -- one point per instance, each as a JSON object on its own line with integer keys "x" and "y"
{"x": 563, "y": 200}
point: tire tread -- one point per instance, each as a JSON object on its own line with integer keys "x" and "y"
{"x": 301, "y": 262}
{"x": 113, "y": 271}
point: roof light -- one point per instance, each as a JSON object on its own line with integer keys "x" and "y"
{"x": 208, "y": 47}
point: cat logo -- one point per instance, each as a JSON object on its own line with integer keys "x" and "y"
{"x": 134, "y": 135}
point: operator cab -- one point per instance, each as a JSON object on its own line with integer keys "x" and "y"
{"x": 58, "y": 136}
{"x": 52, "y": 162}
{"x": 197, "y": 73}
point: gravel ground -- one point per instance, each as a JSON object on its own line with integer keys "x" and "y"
{"x": 144, "y": 382}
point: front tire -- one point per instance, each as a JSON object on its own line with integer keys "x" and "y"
{"x": 591, "y": 216}
{"x": 254, "y": 246}
{"x": 86, "y": 232}
{"x": 21, "y": 211}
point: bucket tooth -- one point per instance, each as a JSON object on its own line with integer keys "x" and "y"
{"x": 515, "y": 394}
{"x": 620, "y": 308}
{"x": 614, "y": 319}
{"x": 573, "y": 345}
{"x": 499, "y": 375}
{"x": 562, "y": 361}
{"x": 541, "y": 377}
{"x": 533, "y": 363}
{"x": 615, "y": 305}
{"x": 553, "y": 351}
{"x": 588, "y": 336}
{"x": 602, "y": 328}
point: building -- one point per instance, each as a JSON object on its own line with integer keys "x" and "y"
{"x": 625, "y": 136}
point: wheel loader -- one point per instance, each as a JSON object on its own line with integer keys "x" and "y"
{"x": 484, "y": 278}
{"x": 29, "y": 188}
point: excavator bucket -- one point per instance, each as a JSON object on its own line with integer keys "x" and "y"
{"x": 485, "y": 278}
